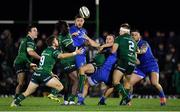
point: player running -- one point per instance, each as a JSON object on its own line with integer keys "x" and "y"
{"x": 148, "y": 66}
{"x": 126, "y": 48}
{"x": 44, "y": 74}
{"x": 25, "y": 55}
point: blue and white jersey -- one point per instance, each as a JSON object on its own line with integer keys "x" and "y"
{"x": 146, "y": 58}
{"x": 78, "y": 40}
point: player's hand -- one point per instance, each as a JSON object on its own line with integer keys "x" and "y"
{"x": 79, "y": 51}
{"x": 100, "y": 48}
{"x": 75, "y": 34}
{"x": 33, "y": 66}
{"x": 54, "y": 75}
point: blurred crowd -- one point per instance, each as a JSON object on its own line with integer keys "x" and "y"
{"x": 165, "y": 46}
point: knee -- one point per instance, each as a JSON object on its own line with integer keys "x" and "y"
{"x": 59, "y": 87}
{"x": 115, "y": 82}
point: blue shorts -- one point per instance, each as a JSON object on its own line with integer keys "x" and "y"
{"x": 81, "y": 59}
{"x": 103, "y": 74}
{"x": 142, "y": 71}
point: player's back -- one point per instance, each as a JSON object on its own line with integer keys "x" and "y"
{"x": 78, "y": 40}
{"x": 127, "y": 48}
{"x": 48, "y": 60}
{"x": 147, "y": 57}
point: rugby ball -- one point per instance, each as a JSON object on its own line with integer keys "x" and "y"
{"x": 84, "y": 12}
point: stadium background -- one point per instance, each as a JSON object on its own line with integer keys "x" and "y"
{"x": 157, "y": 21}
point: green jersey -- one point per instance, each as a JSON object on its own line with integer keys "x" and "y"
{"x": 48, "y": 60}
{"x": 64, "y": 41}
{"x": 26, "y": 44}
{"x": 99, "y": 59}
{"x": 127, "y": 48}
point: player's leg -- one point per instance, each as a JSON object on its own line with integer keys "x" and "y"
{"x": 89, "y": 68}
{"x": 117, "y": 76}
{"x": 21, "y": 82}
{"x": 57, "y": 87}
{"x": 155, "y": 82}
{"x": 109, "y": 90}
{"x": 81, "y": 98}
{"x": 74, "y": 80}
{"x": 31, "y": 88}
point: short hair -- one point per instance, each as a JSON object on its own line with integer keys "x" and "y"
{"x": 135, "y": 30}
{"x": 78, "y": 16}
{"x": 111, "y": 35}
{"x": 30, "y": 27}
{"x": 125, "y": 25}
{"x": 50, "y": 40}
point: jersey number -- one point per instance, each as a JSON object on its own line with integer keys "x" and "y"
{"x": 131, "y": 45}
{"x": 41, "y": 63}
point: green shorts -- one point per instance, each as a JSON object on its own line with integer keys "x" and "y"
{"x": 126, "y": 67}
{"x": 20, "y": 68}
{"x": 40, "y": 78}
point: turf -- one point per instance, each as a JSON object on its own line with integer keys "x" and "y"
{"x": 45, "y": 104}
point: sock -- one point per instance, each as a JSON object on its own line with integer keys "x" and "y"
{"x": 102, "y": 99}
{"x": 161, "y": 94}
{"x": 66, "y": 97}
{"x": 120, "y": 89}
{"x": 80, "y": 98}
{"x": 20, "y": 98}
{"x": 54, "y": 91}
{"x": 72, "y": 97}
{"x": 81, "y": 83}
{"x": 16, "y": 95}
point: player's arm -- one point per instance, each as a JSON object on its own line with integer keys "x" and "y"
{"x": 143, "y": 49}
{"x": 114, "y": 47}
{"x": 91, "y": 42}
{"x": 66, "y": 55}
{"x": 33, "y": 54}
{"x": 105, "y": 46}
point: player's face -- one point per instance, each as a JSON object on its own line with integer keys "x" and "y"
{"x": 79, "y": 22}
{"x": 56, "y": 44}
{"x": 109, "y": 39}
{"x": 34, "y": 32}
{"x": 136, "y": 36}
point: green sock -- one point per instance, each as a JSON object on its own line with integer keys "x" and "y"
{"x": 54, "y": 91}
{"x": 81, "y": 82}
{"x": 72, "y": 97}
{"x": 120, "y": 89}
{"x": 16, "y": 95}
{"x": 20, "y": 98}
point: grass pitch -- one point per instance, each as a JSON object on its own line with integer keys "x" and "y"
{"x": 45, "y": 104}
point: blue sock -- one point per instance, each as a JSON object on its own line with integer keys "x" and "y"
{"x": 102, "y": 99}
{"x": 80, "y": 98}
{"x": 161, "y": 94}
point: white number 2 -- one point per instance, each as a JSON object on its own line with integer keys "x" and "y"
{"x": 131, "y": 45}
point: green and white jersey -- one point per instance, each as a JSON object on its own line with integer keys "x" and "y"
{"x": 48, "y": 60}
{"x": 64, "y": 41}
{"x": 23, "y": 57}
{"x": 127, "y": 48}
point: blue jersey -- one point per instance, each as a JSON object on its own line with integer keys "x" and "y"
{"x": 103, "y": 73}
{"x": 148, "y": 63}
{"x": 78, "y": 40}
{"x": 146, "y": 58}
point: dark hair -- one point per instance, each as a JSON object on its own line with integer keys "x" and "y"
{"x": 30, "y": 27}
{"x": 135, "y": 30}
{"x": 111, "y": 35}
{"x": 50, "y": 40}
{"x": 78, "y": 16}
{"x": 125, "y": 25}
{"x": 62, "y": 27}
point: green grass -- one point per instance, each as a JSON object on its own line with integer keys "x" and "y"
{"x": 45, "y": 104}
